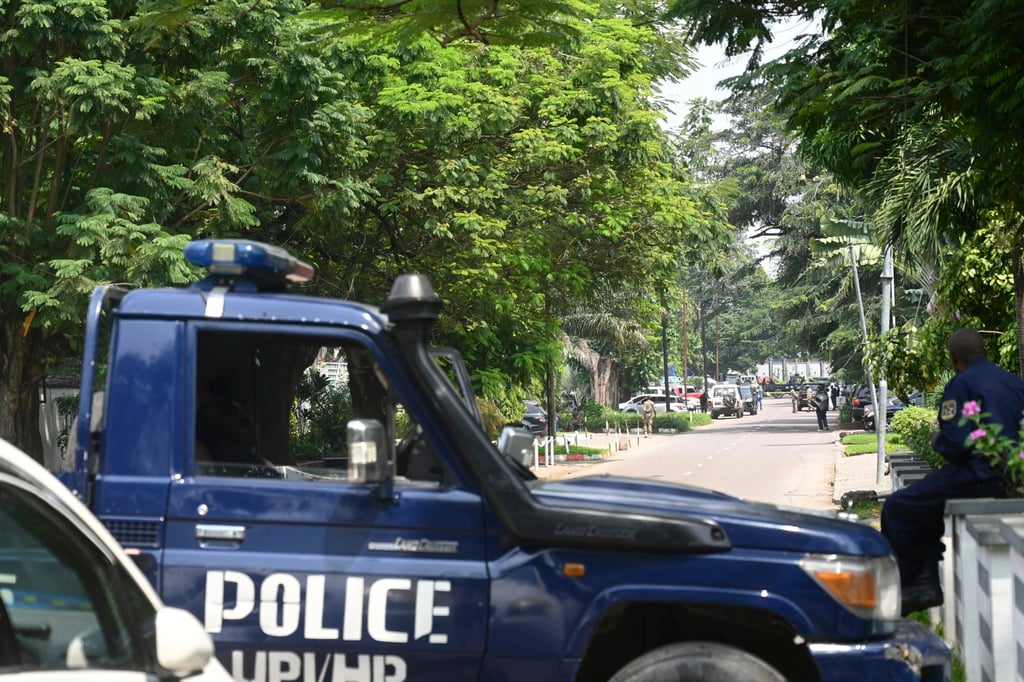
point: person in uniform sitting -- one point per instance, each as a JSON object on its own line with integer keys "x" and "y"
{"x": 912, "y": 518}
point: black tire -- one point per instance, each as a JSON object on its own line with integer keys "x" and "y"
{"x": 697, "y": 662}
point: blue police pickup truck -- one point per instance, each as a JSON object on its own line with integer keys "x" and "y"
{"x": 308, "y": 476}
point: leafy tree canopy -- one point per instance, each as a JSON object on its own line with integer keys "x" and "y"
{"x": 525, "y": 180}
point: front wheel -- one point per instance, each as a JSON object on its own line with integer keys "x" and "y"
{"x": 697, "y": 662}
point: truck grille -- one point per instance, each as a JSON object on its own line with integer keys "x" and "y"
{"x": 133, "y": 532}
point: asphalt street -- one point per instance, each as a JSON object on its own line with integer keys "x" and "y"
{"x": 776, "y": 456}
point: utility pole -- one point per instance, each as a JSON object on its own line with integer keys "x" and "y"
{"x": 703, "y": 338}
{"x": 882, "y": 406}
{"x": 686, "y": 345}
{"x": 664, "y": 358}
{"x": 718, "y": 370}
{"x": 880, "y": 468}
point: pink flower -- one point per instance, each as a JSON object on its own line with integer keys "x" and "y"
{"x": 971, "y": 408}
{"x": 977, "y": 433}
{"x": 1022, "y": 455}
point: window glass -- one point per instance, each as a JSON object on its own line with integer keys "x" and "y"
{"x": 62, "y": 602}
{"x": 278, "y": 406}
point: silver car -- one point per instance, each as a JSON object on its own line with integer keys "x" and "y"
{"x": 636, "y": 404}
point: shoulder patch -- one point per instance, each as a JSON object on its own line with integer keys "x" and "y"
{"x": 948, "y": 410}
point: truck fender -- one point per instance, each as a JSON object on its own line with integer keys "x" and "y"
{"x": 591, "y": 617}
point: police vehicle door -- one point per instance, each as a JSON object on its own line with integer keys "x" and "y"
{"x": 296, "y": 571}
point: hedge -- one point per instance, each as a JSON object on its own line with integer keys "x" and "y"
{"x": 916, "y": 425}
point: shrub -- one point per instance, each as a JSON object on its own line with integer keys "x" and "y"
{"x": 594, "y": 415}
{"x": 916, "y": 425}
{"x": 677, "y": 421}
{"x": 490, "y": 414}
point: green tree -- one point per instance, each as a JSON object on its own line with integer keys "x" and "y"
{"x": 916, "y": 107}
{"x": 528, "y": 182}
{"x": 121, "y": 140}
{"x": 72, "y": 106}
{"x": 525, "y": 180}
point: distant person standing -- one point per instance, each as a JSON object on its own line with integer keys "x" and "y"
{"x": 820, "y": 402}
{"x": 794, "y": 396}
{"x": 833, "y": 390}
{"x": 649, "y": 411}
{"x": 760, "y": 398}
{"x": 704, "y": 401}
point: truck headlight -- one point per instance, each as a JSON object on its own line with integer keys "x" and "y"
{"x": 867, "y": 586}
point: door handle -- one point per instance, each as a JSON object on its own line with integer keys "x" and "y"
{"x": 218, "y": 533}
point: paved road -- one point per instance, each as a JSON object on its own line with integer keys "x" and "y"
{"x": 775, "y": 456}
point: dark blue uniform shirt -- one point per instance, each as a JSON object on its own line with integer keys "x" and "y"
{"x": 998, "y": 392}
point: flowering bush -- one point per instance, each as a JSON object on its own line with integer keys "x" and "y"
{"x": 1005, "y": 454}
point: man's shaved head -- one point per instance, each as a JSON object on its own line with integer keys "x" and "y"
{"x": 966, "y": 345}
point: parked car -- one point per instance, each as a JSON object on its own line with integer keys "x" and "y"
{"x": 636, "y": 403}
{"x": 748, "y": 394}
{"x": 893, "y": 406}
{"x": 861, "y": 397}
{"x": 73, "y": 605}
{"x": 637, "y": 399}
{"x": 536, "y": 418}
{"x": 725, "y": 399}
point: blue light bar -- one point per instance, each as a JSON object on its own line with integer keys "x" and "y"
{"x": 241, "y": 258}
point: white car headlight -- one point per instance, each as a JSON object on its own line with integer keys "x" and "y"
{"x": 867, "y": 586}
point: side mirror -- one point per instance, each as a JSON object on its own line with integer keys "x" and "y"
{"x": 367, "y": 451}
{"x": 517, "y": 443}
{"x": 182, "y": 645}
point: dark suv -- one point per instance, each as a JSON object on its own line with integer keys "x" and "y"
{"x": 748, "y": 394}
{"x": 536, "y": 418}
{"x": 859, "y": 397}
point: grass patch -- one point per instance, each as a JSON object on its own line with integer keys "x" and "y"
{"x": 866, "y": 437}
{"x": 581, "y": 450}
{"x": 869, "y": 512}
{"x": 867, "y": 509}
{"x": 863, "y": 443}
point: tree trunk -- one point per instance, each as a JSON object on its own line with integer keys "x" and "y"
{"x": 20, "y": 377}
{"x": 605, "y": 380}
{"x": 603, "y": 371}
{"x": 552, "y": 399}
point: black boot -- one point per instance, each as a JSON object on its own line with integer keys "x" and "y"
{"x": 923, "y": 592}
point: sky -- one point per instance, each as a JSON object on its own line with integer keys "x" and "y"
{"x": 714, "y": 66}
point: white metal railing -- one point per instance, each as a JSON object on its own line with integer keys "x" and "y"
{"x": 982, "y": 612}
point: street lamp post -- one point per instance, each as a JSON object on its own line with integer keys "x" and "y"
{"x": 664, "y": 358}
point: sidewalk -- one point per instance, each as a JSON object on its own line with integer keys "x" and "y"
{"x": 856, "y": 473}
